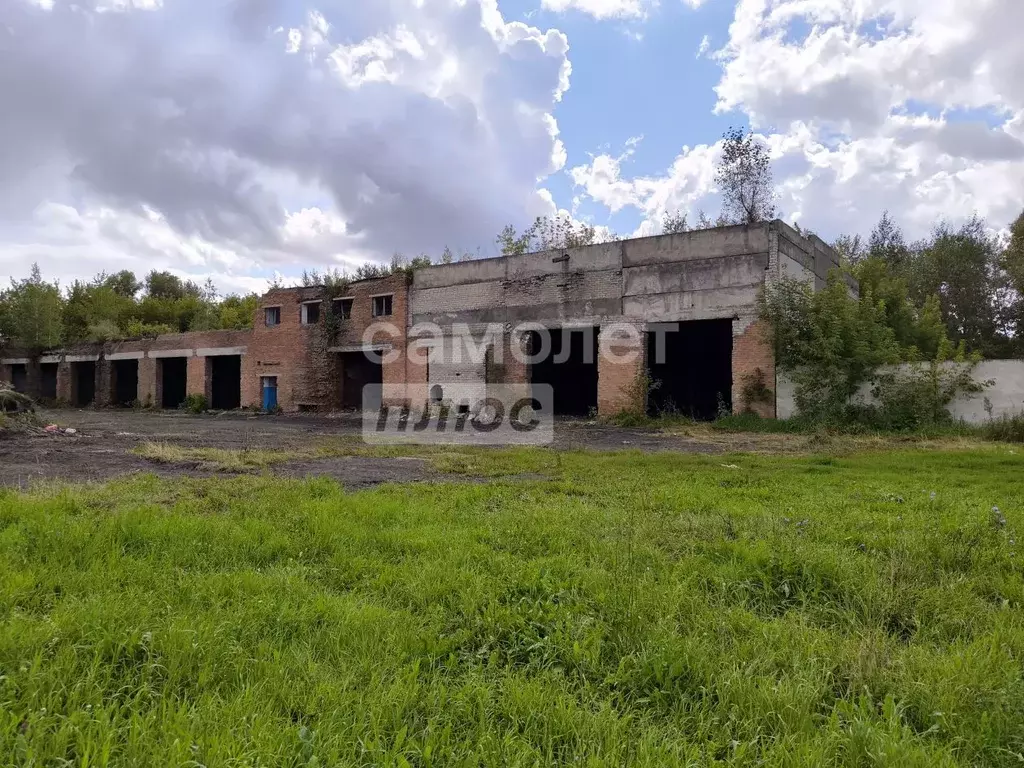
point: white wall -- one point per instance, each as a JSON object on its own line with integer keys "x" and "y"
{"x": 1006, "y": 394}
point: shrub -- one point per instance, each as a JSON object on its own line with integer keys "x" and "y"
{"x": 195, "y": 403}
{"x": 1006, "y": 429}
{"x": 834, "y": 345}
{"x": 755, "y": 390}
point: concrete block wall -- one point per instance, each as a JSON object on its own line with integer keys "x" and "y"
{"x": 1005, "y": 395}
{"x": 703, "y": 275}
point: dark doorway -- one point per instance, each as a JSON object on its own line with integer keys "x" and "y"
{"x": 174, "y": 379}
{"x": 83, "y": 383}
{"x": 692, "y": 367}
{"x": 570, "y": 367}
{"x": 19, "y": 377}
{"x": 125, "y": 384}
{"x": 48, "y": 381}
{"x": 358, "y": 370}
{"x": 226, "y": 382}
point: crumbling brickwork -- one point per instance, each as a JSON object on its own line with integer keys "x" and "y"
{"x": 752, "y": 352}
{"x": 620, "y": 367}
{"x": 305, "y": 358}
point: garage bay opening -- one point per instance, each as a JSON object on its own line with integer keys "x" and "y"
{"x": 690, "y": 365}
{"x": 172, "y": 376}
{"x": 570, "y": 367}
{"x": 359, "y": 369}
{"x": 225, "y": 373}
{"x": 124, "y": 382}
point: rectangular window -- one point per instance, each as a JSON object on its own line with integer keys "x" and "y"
{"x": 311, "y": 313}
{"x": 343, "y": 309}
{"x": 273, "y": 315}
{"x": 381, "y": 306}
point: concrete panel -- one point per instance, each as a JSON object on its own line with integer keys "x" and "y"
{"x": 593, "y": 258}
{"x": 15, "y": 361}
{"x": 691, "y": 305}
{"x": 701, "y": 244}
{"x": 594, "y": 309}
{"x": 362, "y": 348}
{"x": 220, "y": 351}
{"x": 125, "y": 356}
{"x": 723, "y": 272}
{"x": 81, "y": 358}
{"x": 47, "y": 359}
{"x": 171, "y": 353}
{"x": 796, "y": 252}
{"x": 476, "y": 271}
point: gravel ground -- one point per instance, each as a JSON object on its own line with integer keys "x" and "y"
{"x": 101, "y": 447}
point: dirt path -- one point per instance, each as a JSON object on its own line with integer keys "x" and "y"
{"x": 101, "y": 448}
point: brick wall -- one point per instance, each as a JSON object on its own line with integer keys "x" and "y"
{"x": 308, "y": 373}
{"x": 751, "y": 351}
{"x": 619, "y": 365}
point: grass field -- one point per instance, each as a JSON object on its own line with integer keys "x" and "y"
{"x": 865, "y": 609}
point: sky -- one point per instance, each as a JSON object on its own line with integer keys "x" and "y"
{"x": 243, "y": 140}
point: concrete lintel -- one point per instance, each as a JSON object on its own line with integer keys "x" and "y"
{"x": 170, "y": 353}
{"x": 81, "y": 358}
{"x": 15, "y": 361}
{"x": 46, "y": 359}
{"x": 363, "y": 348}
{"x": 220, "y": 351}
{"x": 113, "y": 356}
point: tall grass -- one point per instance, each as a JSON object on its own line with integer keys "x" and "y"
{"x": 641, "y": 610}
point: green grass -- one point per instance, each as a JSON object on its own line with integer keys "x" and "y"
{"x": 641, "y": 610}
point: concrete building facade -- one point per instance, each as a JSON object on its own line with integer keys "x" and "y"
{"x": 668, "y": 323}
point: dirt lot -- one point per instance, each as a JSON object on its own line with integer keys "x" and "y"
{"x": 102, "y": 447}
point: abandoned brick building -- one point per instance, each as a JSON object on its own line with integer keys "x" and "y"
{"x": 689, "y": 301}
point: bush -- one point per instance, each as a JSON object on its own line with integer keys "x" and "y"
{"x": 1006, "y": 429}
{"x": 834, "y": 345}
{"x": 195, "y": 403}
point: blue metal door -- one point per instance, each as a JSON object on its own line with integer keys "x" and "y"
{"x": 269, "y": 393}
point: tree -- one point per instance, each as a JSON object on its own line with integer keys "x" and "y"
{"x": 123, "y": 283}
{"x": 963, "y": 268}
{"x": 545, "y": 234}
{"x": 850, "y": 248}
{"x": 33, "y": 312}
{"x": 164, "y": 285}
{"x": 674, "y": 223}
{"x": 744, "y": 178}
{"x": 887, "y": 244}
{"x": 511, "y": 243}
{"x": 1013, "y": 266}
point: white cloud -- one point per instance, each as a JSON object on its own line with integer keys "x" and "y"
{"x": 263, "y": 139}
{"x": 912, "y": 105}
{"x": 704, "y": 47}
{"x": 603, "y": 9}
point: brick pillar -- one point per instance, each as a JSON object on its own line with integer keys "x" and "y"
{"x": 64, "y": 383}
{"x": 148, "y": 392}
{"x": 516, "y": 366}
{"x": 620, "y": 365}
{"x": 416, "y": 367}
{"x": 252, "y": 395}
{"x": 104, "y": 383}
{"x": 198, "y": 380}
{"x": 752, "y": 353}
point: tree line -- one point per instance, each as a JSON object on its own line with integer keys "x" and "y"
{"x": 36, "y": 314}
